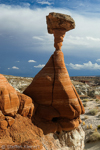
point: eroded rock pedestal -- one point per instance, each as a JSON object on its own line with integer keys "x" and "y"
{"x": 58, "y": 106}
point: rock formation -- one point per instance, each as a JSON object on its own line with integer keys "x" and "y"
{"x": 58, "y": 24}
{"x": 11, "y": 103}
{"x": 57, "y": 104}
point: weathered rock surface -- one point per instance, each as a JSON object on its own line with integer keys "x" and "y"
{"x": 26, "y": 106}
{"x": 58, "y": 104}
{"x": 12, "y": 102}
{"x": 2, "y": 117}
{"x": 10, "y": 120}
{"x": 3, "y": 124}
{"x": 59, "y": 21}
{"x": 23, "y": 134}
{"x": 9, "y": 101}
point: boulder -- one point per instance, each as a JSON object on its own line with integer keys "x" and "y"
{"x": 2, "y": 117}
{"x": 9, "y": 101}
{"x": 10, "y": 120}
{"x": 12, "y": 102}
{"x": 26, "y": 106}
{"x": 59, "y": 21}
{"x": 3, "y": 124}
{"x": 58, "y": 24}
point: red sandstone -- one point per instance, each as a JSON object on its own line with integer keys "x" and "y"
{"x": 58, "y": 106}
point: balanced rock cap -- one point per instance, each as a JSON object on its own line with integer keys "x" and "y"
{"x": 59, "y": 21}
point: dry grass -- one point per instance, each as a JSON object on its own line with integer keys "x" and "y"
{"x": 86, "y": 117}
{"x": 83, "y": 123}
{"x": 85, "y": 100}
{"x": 95, "y": 136}
{"x": 89, "y": 126}
{"x": 93, "y": 112}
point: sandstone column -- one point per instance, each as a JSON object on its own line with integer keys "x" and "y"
{"x": 57, "y": 104}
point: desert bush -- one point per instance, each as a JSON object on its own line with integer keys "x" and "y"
{"x": 93, "y": 112}
{"x": 84, "y": 104}
{"x": 85, "y": 117}
{"x": 98, "y": 126}
{"x": 95, "y": 136}
{"x": 85, "y": 100}
{"x": 91, "y": 99}
{"x": 97, "y": 100}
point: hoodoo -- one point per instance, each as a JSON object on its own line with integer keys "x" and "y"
{"x": 57, "y": 104}
{"x": 13, "y": 102}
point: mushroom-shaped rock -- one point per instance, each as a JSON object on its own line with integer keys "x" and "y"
{"x": 58, "y": 24}
{"x": 59, "y": 21}
{"x": 58, "y": 106}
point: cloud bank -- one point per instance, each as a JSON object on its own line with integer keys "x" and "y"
{"x": 85, "y": 66}
{"x": 26, "y": 28}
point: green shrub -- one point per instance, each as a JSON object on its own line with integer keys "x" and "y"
{"x": 95, "y": 136}
{"x": 93, "y": 112}
{"x": 84, "y": 104}
{"x": 85, "y": 100}
{"x": 91, "y": 99}
{"x": 97, "y": 100}
{"x": 98, "y": 126}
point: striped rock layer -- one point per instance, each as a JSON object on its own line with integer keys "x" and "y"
{"x": 57, "y": 104}
{"x": 12, "y": 102}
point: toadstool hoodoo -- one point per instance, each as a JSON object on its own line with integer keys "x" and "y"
{"x": 57, "y": 103}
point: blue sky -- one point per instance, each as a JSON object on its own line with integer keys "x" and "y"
{"x": 26, "y": 46}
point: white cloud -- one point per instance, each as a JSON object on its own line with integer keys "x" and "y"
{"x": 93, "y": 39}
{"x": 31, "y": 61}
{"x": 44, "y": 2}
{"x": 29, "y": 31}
{"x": 8, "y": 68}
{"x": 17, "y": 61}
{"x": 98, "y": 60}
{"x": 14, "y": 67}
{"x": 39, "y": 66}
{"x": 86, "y": 66}
{"x": 38, "y": 38}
